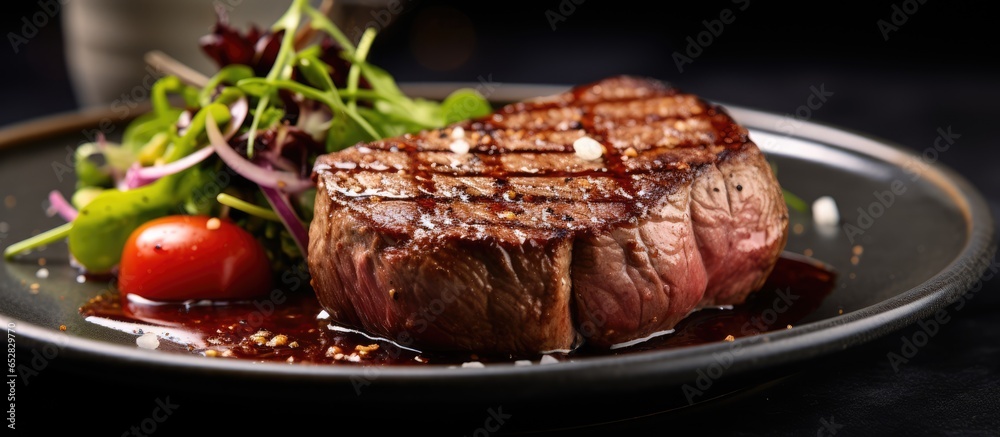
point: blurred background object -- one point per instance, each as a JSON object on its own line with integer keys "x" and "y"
{"x": 105, "y": 40}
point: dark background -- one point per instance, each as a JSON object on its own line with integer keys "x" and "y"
{"x": 937, "y": 70}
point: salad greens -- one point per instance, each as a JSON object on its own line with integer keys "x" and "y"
{"x": 242, "y": 142}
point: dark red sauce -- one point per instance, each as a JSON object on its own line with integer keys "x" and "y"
{"x": 288, "y": 330}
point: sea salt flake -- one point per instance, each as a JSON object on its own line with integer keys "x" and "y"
{"x": 148, "y": 340}
{"x": 460, "y": 147}
{"x": 588, "y": 148}
{"x": 825, "y": 212}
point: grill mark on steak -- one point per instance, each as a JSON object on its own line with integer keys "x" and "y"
{"x": 537, "y": 244}
{"x": 698, "y": 131}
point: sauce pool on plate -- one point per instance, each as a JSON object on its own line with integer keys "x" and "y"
{"x": 298, "y": 331}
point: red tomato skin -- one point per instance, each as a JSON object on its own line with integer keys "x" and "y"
{"x": 182, "y": 257}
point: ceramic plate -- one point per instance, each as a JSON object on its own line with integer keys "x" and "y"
{"x": 898, "y": 257}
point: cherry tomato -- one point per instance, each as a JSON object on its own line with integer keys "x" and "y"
{"x": 183, "y": 257}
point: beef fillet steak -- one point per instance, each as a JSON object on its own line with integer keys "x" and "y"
{"x": 529, "y": 243}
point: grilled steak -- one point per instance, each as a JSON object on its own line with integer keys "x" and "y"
{"x": 523, "y": 246}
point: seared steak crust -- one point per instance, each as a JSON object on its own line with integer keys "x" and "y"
{"x": 521, "y": 246}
